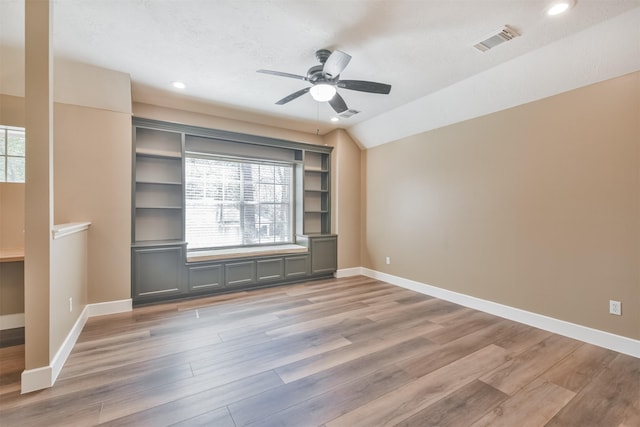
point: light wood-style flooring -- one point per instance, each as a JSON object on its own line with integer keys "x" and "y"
{"x": 340, "y": 352}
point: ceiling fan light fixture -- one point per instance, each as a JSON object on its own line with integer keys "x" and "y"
{"x": 322, "y": 92}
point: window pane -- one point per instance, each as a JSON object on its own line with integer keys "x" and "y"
{"x": 234, "y": 203}
{"x": 15, "y": 143}
{"x": 267, "y": 173}
{"x": 2, "y": 141}
{"x": 267, "y": 193}
{"x": 3, "y": 169}
{"x": 15, "y": 169}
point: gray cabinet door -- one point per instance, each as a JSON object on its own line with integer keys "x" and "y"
{"x": 240, "y": 273}
{"x": 296, "y": 266}
{"x": 206, "y": 277}
{"x": 270, "y": 270}
{"x": 157, "y": 271}
{"x": 324, "y": 254}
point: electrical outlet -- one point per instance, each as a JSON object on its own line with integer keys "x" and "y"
{"x": 615, "y": 307}
{"x": 70, "y": 304}
{"x": 388, "y": 260}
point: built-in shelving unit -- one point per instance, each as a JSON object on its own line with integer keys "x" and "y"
{"x": 161, "y": 268}
{"x": 316, "y": 204}
{"x": 157, "y": 193}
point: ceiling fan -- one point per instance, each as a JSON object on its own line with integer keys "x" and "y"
{"x": 325, "y": 80}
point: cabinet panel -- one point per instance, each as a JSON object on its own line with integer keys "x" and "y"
{"x": 324, "y": 251}
{"x": 270, "y": 270}
{"x": 206, "y": 277}
{"x": 157, "y": 271}
{"x": 240, "y": 273}
{"x": 296, "y": 266}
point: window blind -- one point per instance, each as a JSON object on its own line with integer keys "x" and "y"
{"x": 232, "y": 202}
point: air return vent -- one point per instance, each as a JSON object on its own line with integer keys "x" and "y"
{"x": 349, "y": 113}
{"x": 497, "y": 37}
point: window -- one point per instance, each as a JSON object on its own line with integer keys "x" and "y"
{"x": 12, "y": 151}
{"x": 231, "y": 202}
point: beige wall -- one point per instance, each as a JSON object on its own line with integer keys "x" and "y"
{"x": 536, "y": 207}
{"x": 11, "y": 215}
{"x": 92, "y": 177}
{"x": 68, "y": 280}
{"x": 11, "y": 237}
{"x": 12, "y": 111}
{"x": 345, "y": 191}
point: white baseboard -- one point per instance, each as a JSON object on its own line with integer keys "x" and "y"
{"x": 348, "y": 272}
{"x": 36, "y": 379}
{"x": 45, "y": 377}
{"x": 10, "y": 321}
{"x": 110, "y": 307}
{"x": 583, "y": 333}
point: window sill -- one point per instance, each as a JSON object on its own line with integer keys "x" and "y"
{"x": 222, "y": 254}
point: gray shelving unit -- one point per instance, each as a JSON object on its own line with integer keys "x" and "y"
{"x": 160, "y": 269}
{"x": 317, "y": 193}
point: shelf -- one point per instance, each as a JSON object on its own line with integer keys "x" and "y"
{"x": 159, "y": 182}
{"x": 151, "y": 243}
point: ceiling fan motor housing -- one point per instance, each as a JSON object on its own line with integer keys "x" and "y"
{"x": 322, "y": 55}
{"x": 314, "y": 75}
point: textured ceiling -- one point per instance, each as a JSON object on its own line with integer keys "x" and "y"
{"x": 216, "y": 46}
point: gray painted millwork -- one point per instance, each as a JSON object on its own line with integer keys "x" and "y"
{"x": 160, "y": 269}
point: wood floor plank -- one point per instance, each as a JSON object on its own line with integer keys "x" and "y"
{"x": 392, "y": 408}
{"x": 166, "y": 407}
{"x": 610, "y": 399}
{"x": 311, "y": 365}
{"x": 460, "y": 408}
{"x": 580, "y": 367}
{"x": 443, "y": 355}
{"x": 218, "y": 418}
{"x": 317, "y": 410}
{"x": 318, "y": 383}
{"x": 521, "y": 370}
{"x": 335, "y": 352}
{"x": 533, "y": 406}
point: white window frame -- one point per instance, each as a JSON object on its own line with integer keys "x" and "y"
{"x": 4, "y": 154}
{"x": 242, "y": 204}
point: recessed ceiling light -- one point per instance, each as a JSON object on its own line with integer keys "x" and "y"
{"x": 178, "y": 85}
{"x": 559, "y": 7}
{"x": 335, "y": 119}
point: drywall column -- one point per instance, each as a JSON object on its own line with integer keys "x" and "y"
{"x": 345, "y": 199}
{"x": 39, "y": 191}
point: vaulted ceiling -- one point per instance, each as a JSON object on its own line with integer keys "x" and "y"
{"x": 420, "y": 47}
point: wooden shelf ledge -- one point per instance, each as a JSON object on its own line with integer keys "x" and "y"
{"x": 11, "y": 254}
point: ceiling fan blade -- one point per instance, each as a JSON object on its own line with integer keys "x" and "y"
{"x": 338, "y": 103}
{"x": 335, "y": 64}
{"x": 281, "y": 74}
{"x": 293, "y": 96}
{"x": 364, "y": 86}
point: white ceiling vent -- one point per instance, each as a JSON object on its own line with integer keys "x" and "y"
{"x": 349, "y": 113}
{"x": 497, "y": 37}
